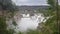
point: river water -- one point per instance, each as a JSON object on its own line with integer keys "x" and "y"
{"x": 27, "y": 22}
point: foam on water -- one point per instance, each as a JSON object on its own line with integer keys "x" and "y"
{"x": 28, "y": 22}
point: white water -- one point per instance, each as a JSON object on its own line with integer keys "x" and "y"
{"x": 26, "y": 22}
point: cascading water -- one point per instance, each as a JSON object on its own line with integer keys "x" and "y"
{"x": 29, "y": 22}
{"x": 26, "y": 22}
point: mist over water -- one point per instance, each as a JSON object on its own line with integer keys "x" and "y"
{"x": 26, "y": 21}
{"x": 29, "y": 22}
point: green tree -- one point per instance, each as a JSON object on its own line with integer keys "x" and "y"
{"x": 52, "y": 4}
{"x": 6, "y": 5}
{"x": 51, "y": 26}
{"x": 3, "y": 26}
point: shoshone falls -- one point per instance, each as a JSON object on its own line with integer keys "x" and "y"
{"x": 25, "y": 22}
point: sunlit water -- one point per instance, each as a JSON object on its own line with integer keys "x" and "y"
{"x": 27, "y": 22}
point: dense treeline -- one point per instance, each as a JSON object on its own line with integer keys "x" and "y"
{"x": 7, "y": 5}
{"x": 7, "y": 8}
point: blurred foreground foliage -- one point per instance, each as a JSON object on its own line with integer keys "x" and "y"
{"x": 7, "y": 9}
{"x": 3, "y": 26}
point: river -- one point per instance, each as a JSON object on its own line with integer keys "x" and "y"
{"x": 26, "y": 22}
